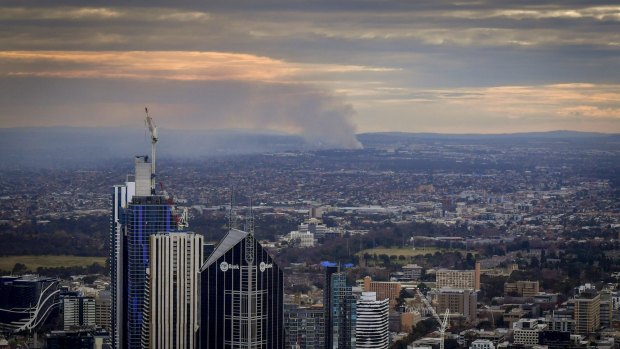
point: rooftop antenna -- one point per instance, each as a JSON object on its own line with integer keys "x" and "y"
{"x": 232, "y": 219}
{"x": 251, "y": 219}
{"x": 148, "y": 121}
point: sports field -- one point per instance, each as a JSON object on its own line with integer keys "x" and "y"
{"x": 33, "y": 262}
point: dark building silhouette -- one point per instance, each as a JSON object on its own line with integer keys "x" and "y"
{"x": 241, "y": 296}
{"x": 26, "y": 301}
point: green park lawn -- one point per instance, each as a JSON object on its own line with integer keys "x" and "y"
{"x": 34, "y": 262}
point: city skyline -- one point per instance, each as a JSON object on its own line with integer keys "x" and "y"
{"x": 319, "y": 69}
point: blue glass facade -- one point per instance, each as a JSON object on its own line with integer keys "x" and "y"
{"x": 145, "y": 216}
{"x": 343, "y": 313}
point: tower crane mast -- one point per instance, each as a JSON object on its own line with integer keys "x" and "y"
{"x": 150, "y": 124}
{"x": 443, "y": 323}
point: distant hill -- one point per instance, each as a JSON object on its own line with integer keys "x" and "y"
{"x": 396, "y": 138}
{"x": 87, "y": 147}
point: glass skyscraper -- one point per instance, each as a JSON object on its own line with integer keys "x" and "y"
{"x": 136, "y": 214}
{"x": 241, "y": 296}
{"x": 343, "y": 313}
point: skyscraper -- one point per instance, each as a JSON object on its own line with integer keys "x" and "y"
{"x": 118, "y": 255}
{"x": 305, "y": 326}
{"x": 137, "y": 213}
{"x": 343, "y": 313}
{"x": 241, "y": 296}
{"x": 330, "y": 269}
{"x": 172, "y": 313}
{"x": 372, "y": 327}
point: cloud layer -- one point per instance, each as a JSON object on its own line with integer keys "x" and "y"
{"x": 323, "y": 69}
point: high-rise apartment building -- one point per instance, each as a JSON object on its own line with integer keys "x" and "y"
{"x": 343, "y": 313}
{"x": 304, "y": 327}
{"x": 383, "y": 289}
{"x": 118, "y": 258}
{"x": 136, "y": 214}
{"x": 372, "y": 326}
{"x": 241, "y": 296}
{"x": 586, "y": 312}
{"x": 78, "y": 312}
{"x": 103, "y": 310}
{"x": 459, "y": 301}
{"x": 330, "y": 269}
{"x": 172, "y": 311}
{"x": 464, "y": 279}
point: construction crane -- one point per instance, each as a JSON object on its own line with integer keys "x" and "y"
{"x": 443, "y": 324}
{"x": 150, "y": 124}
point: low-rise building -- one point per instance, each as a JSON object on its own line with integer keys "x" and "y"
{"x": 521, "y": 288}
{"x": 482, "y": 344}
{"x": 527, "y": 331}
{"x": 412, "y": 272}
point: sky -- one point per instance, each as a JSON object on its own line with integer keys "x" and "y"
{"x": 323, "y": 69}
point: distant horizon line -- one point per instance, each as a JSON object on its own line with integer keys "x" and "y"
{"x": 275, "y": 132}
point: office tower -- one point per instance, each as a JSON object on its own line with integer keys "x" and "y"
{"x": 343, "y": 313}
{"x": 586, "y": 312}
{"x": 136, "y": 214}
{"x": 330, "y": 269}
{"x": 384, "y": 289}
{"x": 241, "y": 296}
{"x": 173, "y": 291}
{"x": 26, "y": 301}
{"x": 458, "y": 301}
{"x": 121, "y": 198}
{"x": 304, "y": 327}
{"x": 372, "y": 327}
{"x": 465, "y": 279}
{"x": 78, "y": 311}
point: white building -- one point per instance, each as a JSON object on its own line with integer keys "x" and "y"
{"x": 482, "y": 344}
{"x": 78, "y": 312}
{"x": 173, "y": 293}
{"x": 319, "y": 230}
{"x": 300, "y": 239}
{"x": 372, "y": 328}
{"x": 526, "y": 331}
